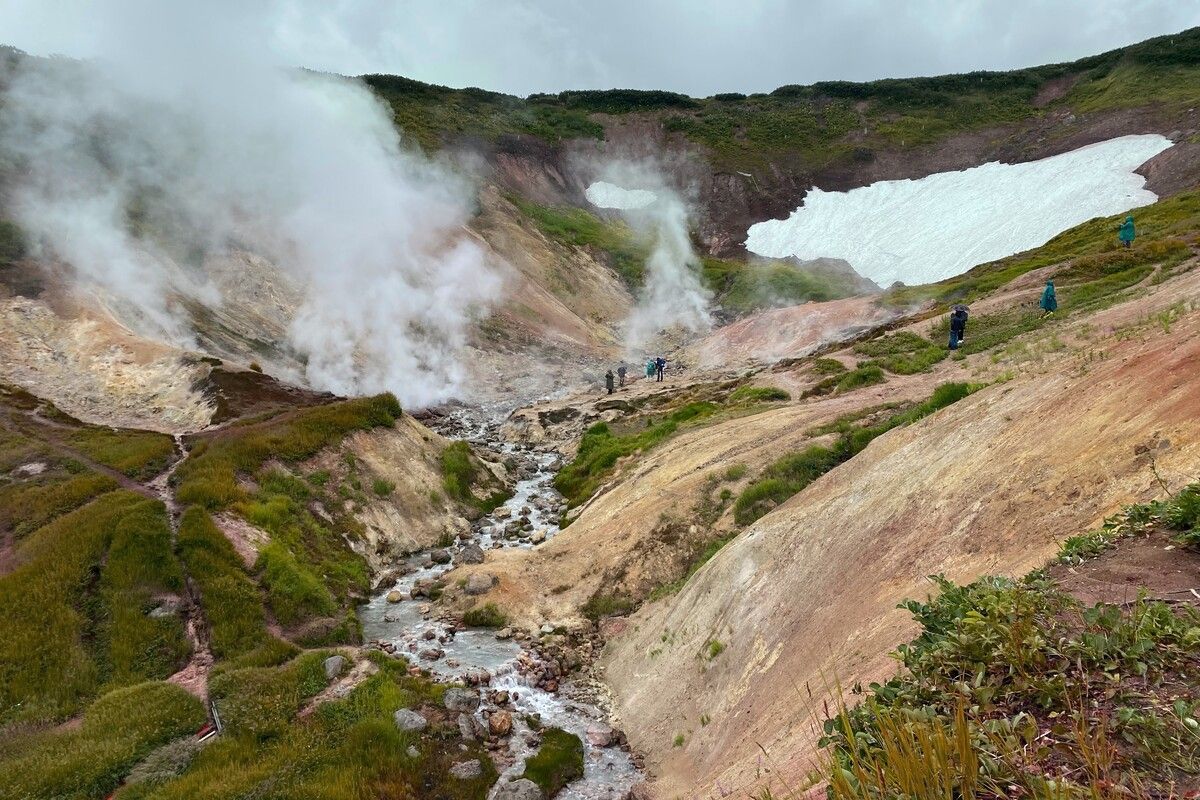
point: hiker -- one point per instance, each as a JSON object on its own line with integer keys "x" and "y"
{"x": 660, "y": 366}
{"x": 1126, "y": 233}
{"x": 621, "y": 374}
{"x": 608, "y": 381}
{"x": 650, "y": 367}
{"x": 1049, "y": 301}
{"x": 958, "y": 325}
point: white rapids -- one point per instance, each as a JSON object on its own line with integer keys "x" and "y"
{"x": 919, "y": 231}
{"x": 609, "y": 770}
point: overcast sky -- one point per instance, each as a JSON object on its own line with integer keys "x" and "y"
{"x": 696, "y": 46}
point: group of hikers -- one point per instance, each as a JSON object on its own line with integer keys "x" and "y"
{"x": 655, "y": 368}
{"x": 1126, "y": 233}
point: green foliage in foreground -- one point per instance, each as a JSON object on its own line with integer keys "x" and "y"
{"x": 72, "y": 622}
{"x": 600, "y": 449}
{"x": 577, "y": 227}
{"x": 261, "y": 701}
{"x": 1014, "y": 688}
{"x": 791, "y": 473}
{"x": 557, "y": 762}
{"x": 209, "y": 476}
{"x": 346, "y": 749}
{"x": 118, "y": 730}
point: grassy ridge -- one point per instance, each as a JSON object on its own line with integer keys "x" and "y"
{"x": 70, "y": 623}
{"x": 828, "y": 123}
{"x": 209, "y": 476}
{"x": 118, "y": 730}
{"x": 576, "y": 227}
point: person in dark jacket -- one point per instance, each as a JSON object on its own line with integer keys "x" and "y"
{"x": 660, "y": 366}
{"x": 621, "y": 374}
{"x": 1127, "y": 233}
{"x": 608, "y": 381}
{"x": 1049, "y": 302}
{"x": 958, "y": 325}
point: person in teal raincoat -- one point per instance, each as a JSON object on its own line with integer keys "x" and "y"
{"x": 650, "y": 368}
{"x": 1049, "y": 301}
{"x": 1126, "y": 232}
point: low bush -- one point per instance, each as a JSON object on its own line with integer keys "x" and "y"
{"x": 139, "y": 454}
{"x": 558, "y": 761}
{"x": 758, "y": 394}
{"x": 261, "y": 701}
{"x": 488, "y": 615}
{"x": 863, "y": 375}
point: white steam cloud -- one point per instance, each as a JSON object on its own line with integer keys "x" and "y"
{"x": 672, "y": 295}
{"x": 186, "y": 136}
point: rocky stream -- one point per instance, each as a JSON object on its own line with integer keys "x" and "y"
{"x": 526, "y": 680}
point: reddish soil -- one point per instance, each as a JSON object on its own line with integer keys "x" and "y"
{"x": 1153, "y": 564}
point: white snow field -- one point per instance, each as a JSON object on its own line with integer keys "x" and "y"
{"x": 919, "y": 231}
{"x": 603, "y": 194}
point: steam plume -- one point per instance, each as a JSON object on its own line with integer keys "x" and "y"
{"x": 185, "y": 137}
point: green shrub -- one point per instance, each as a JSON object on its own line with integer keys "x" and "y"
{"x": 458, "y": 471}
{"x": 602, "y": 605}
{"x": 828, "y": 366}
{"x": 758, "y": 394}
{"x": 488, "y": 615}
{"x": 117, "y": 731}
{"x": 735, "y": 472}
{"x": 599, "y": 450}
{"x": 857, "y": 378}
{"x": 383, "y": 488}
{"x": 558, "y": 761}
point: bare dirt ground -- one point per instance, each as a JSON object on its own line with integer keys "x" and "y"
{"x": 1153, "y": 566}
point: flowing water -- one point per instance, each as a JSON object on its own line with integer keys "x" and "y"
{"x": 480, "y": 656}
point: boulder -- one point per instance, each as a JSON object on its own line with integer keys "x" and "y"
{"x": 471, "y": 554}
{"x": 467, "y": 770}
{"x": 500, "y": 723}
{"x": 480, "y": 583}
{"x": 395, "y": 596}
{"x": 456, "y": 699}
{"x": 408, "y": 720}
{"x": 520, "y": 789}
{"x": 600, "y": 735}
{"x": 466, "y": 728}
{"x": 538, "y": 536}
{"x": 333, "y": 666}
{"x": 440, "y": 556}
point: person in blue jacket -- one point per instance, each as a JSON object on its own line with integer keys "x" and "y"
{"x": 1127, "y": 233}
{"x": 1049, "y": 302}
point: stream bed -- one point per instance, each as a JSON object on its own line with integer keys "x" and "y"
{"x": 506, "y": 667}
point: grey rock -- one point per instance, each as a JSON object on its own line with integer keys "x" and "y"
{"x": 520, "y": 789}
{"x": 413, "y": 752}
{"x": 333, "y": 666}
{"x": 471, "y": 554}
{"x": 440, "y": 556}
{"x": 467, "y": 770}
{"x": 456, "y": 699}
{"x": 480, "y": 584}
{"x": 408, "y": 720}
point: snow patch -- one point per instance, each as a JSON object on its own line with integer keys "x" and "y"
{"x": 919, "y": 231}
{"x": 603, "y": 194}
